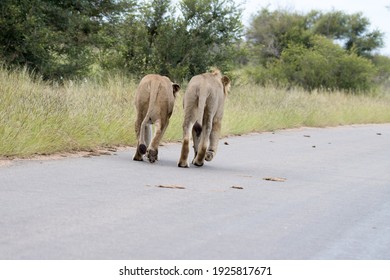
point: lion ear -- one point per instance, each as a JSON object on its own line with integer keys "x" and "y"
{"x": 225, "y": 80}
{"x": 226, "y": 84}
{"x": 176, "y": 88}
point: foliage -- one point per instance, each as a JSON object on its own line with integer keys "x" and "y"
{"x": 77, "y": 39}
{"x": 304, "y": 50}
{"x": 327, "y": 66}
{"x": 213, "y": 29}
{"x": 352, "y": 30}
{"x": 382, "y": 64}
{"x": 272, "y": 32}
{"x": 54, "y": 38}
{"x": 72, "y": 39}
{"x": 204, "y": 34}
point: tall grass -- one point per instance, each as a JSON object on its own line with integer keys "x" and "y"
{"x": 41, "y": 118}
{"x": 254, "y": 108}
{"x": 38, "y": 118}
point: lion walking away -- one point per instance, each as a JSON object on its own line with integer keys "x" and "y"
{"x": 154, "y": 102}
{"x": 203, "y": 111}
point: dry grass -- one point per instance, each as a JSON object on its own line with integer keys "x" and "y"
{"x": 253, "y": 108}
{"x": 38, "y": 118}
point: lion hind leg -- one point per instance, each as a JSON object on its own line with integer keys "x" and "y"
{"x": 152, "y": 151}
{"x": 196, "y": 133}
{"x": 185, "y": 148}
{"x": 200, "y": 156}
{"x": 148, "y": 134}
{"x": 145, "y": 140}
{"x": 141, "y": 148}
{"x": 190, "y": 117}
{"x": 204, "y": 141}
{"x": 214, "y": 138}
{"x": 144, "y": 131}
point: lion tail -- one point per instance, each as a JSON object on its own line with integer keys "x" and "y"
{"x": 201, "y": 107}
{"x": 154, "y": 89}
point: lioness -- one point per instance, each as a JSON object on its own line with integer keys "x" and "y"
{"x": 154, "y": 101}
{"x": 203, "y": 111}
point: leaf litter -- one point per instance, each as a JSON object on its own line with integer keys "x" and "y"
{"x": 170, "y": 187}
{"x": 275, "y": 179}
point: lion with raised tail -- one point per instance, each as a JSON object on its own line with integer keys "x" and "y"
{"x": 154, "y": 102}
{"x": 203, "y": 111}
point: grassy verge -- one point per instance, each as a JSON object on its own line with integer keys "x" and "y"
{"x": 38, "y": 118}
{"x": 253, "y": 108}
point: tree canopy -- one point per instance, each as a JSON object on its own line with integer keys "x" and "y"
{"x": 55, "y": 38}
{"x": 72, "y": 39}
{"x": 273, "y": 31}
{"x": 66, "y": 39}
{"x": 330, "y": 50}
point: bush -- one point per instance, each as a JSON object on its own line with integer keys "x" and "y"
{"x": 355, "y": 73}
{"x": 382, "y": 63}
{"x": 323, "y": 65}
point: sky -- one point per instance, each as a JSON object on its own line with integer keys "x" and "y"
{"x": 375, "y": 10}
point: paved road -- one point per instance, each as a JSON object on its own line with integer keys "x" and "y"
{"x": 334, "y": 203}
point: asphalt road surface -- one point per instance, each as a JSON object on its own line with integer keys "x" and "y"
{"x": 332, "y": 201}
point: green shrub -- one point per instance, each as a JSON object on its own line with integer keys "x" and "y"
{"x": 322, "y": 66}
{"x": 355, "y": 73}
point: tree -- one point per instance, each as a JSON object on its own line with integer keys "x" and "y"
{"x": 271, "y": 32}
{"x": 54, "y": 38}
{"x": 324, "y": 65}
{"x": 201, "y": 34}
{"x": 316, "y": 50}
{"x": 71, "y": 38}
{"x": 23, "y": 34}
{"x": 353, "y": 30}
{"x": 382, "y": 64}
{"x": 213, "y": 28}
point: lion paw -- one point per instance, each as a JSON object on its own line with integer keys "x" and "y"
{"x": 141, "y": 149}
{"x": 138, "y": 157}
{"x": 183, "y": 164}
{"x": 196, "y": 163}
{"x": 209, "y": 155}
{"x": 152, "y": 155}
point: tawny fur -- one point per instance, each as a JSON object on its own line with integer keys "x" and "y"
{"x": 154, "y": 102}
{"x": 203, "y": 111}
